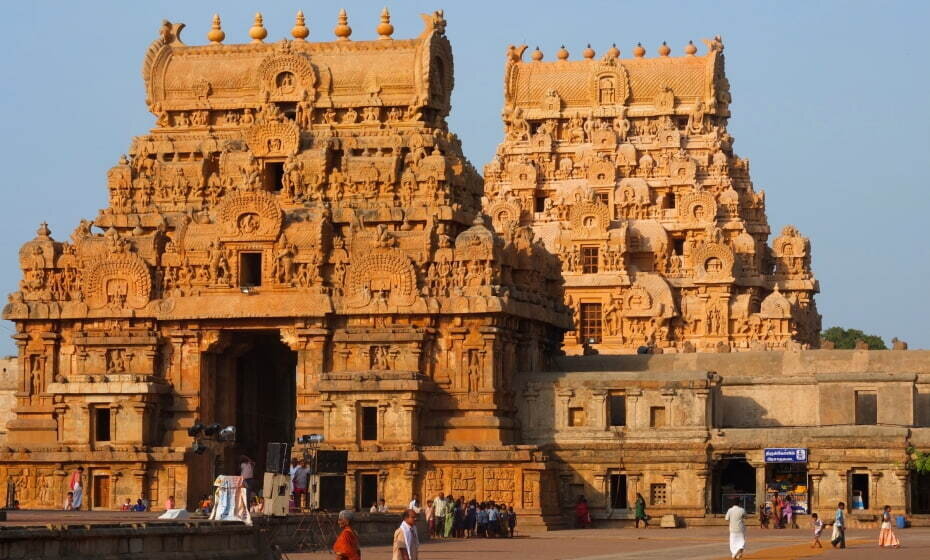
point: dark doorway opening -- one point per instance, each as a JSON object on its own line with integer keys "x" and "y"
{"x": 250, "y": 270}
{"x": 920, "y": 493}
{"x": 367, "y": 491}
{"x": 332, "y": 493}
{"x": 860, "y": 491}
{"x": 255, "y": 383}
{"x": 618, "y": 491}
{"x": 734, "y": 477}
{"x": 274, "y": 175}
{"x": 369, "y": 423}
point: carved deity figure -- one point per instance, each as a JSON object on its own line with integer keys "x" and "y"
{"x": 284, "y": 263}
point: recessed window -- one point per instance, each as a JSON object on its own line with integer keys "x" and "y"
{"x": 617, "y": 404}
{"x": 658, "y": 494}
{"x": 589, "y": 260}
{"x": 274, "y": 174}
{"x": 576, "y": 416}
{"x": 101, "y": 424}
{"x": 657, "y": 417}
{"x": 603, "y": 198}
{"x": 369, "y": 423}
{"x": 678, "y": 246}
{"x": 540, "y": 204}
{"x": 250, "y": 269}
{"x": 591, "y": 323}
{"x": 618, "y": 491}
{"x": 866, "y": 408}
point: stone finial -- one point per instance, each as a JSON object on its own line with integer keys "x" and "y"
{"x": 258, "y": 32}
{"x": 342, "y": 31}
{"x": 588, "y": 52}
{"x": 613, "y": 51}
{"x": 639, "y": 51}
{"x": 216, "y": 33}
{"x": 537, "y": 55}
{"x": 43, "y": 230}
{"x": 690, "y": 49}
{"x": 385, "y": 29}
{"x": 562, "y": 54}
{"x": 664, "y": 49}
{"x": 300, "y": 31}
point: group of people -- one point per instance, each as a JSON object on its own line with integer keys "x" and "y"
{"x": 780, "y": 512}
{"x": 736, "y": 516}
{"x": 451, "y": 518}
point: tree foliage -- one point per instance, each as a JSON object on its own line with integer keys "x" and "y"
{"x": 845, "y": 339}
{"x": 918, "y": 461}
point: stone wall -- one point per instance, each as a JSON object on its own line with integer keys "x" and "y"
{"x": 9, "y": 375}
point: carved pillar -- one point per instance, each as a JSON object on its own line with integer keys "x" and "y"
{"x": 760, "y": 482}
{"x": 115, "y": 477}
{"x": 599, "y": 400}
{"x": 703, "y": 418}
{"x": 669, "y": 396}
{"x": 50, "y": 343}
{"x": 669, "y": 491}
{"x": 382, "y": 485}
{"x": 22, "y": 339}
{"x": 60, "y": 410}
{"x": 382, "y": 427}
{"x": 903, "y": 477}
{"x": 561, "y": 411}
{"x": 530, "y": 396}
{"x": 601, "y": 487}
{"x": 327, "y": 407}
{"x": 632, "y": 487}
{"x": 61, "y": 491}
{"x": 409, "y": 428}
{"x": 352, "y": 483}
{"x": 703, "y": 475}
{"x": 632, "y": 398}
{"x": 816, "y": 477}
{"x": 874, "y": 479}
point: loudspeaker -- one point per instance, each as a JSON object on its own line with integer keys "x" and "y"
{"x": 332, "y": 462}
{"x": 274, "y": 492}
{"x": 277, "y": 458}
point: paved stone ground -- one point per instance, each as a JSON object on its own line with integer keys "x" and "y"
{"x": 658, "y": 544}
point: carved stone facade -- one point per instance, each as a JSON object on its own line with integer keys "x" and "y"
{"x": 299, "y": 246}
{"x": 625, "y": 169}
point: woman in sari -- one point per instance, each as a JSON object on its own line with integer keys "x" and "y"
{"x": 346, "y": 545}
{"x": 582, "y": 513}
{"x": 886, "y": 536}
{"x": 77, "y": 488}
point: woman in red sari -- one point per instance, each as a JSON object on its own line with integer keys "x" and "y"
{"x": 582, "y": 513}
{"x": 346, "y": 545}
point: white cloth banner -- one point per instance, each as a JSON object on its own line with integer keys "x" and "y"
{"x": 230, "y": 500}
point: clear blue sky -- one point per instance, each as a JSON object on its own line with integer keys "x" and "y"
{"x": 830, "y": 104}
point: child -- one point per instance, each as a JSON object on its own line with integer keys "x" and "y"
{"x": 69, "y": 502}
{"x": 817, "y": 524}
{"x": 511, "y": 521}
{"x": 127, "y": 505}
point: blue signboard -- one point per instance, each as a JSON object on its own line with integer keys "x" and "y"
{"x": 785, "y": 455}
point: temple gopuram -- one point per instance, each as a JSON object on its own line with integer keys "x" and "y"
{"x": 626, "y": 171}
{"x": 299, "y": 246}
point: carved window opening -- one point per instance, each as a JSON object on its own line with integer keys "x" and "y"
{"x": 669, "y": 201}
{"x": 576, "y": 416}
{"x": 618, "y": 491}
{"x": 591, "y": 323}
{"x": 250, "y": 270}
{"x": 657, "y": 417}
{"x": 617, "y": 410}
{"x": 274, "y": 175}
{"x": 369, "y": 421}
{"x": 289, "y": 110}
{"x": 866, "y": 408}
{"x": 658, "y": 494}
{"x": 589, "y": 260}
{"x": 603, "y": 198}
{"x": 540, "y": 204}
{"x": 860, "y": 491}
{"x": 678, "y": 247}
{"x": 101, "y": 419}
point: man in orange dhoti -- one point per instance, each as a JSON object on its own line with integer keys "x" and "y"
{"x": 346, "y": 545}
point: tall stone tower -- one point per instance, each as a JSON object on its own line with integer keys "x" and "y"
{"x": 297, "y": 246}
{"x": 625, "y": 169}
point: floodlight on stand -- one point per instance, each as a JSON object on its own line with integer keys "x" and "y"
{"x": 228, "y": 433}
{"x": 310, "y": 439}
{"x": 195, "y": 429}
{"x": 198, "y": 448}
{"x": 212, "y": 429}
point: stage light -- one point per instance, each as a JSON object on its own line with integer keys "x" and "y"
{"x": 195, "y": 429}
{"x": 310, "y": 439}
{"x": 198, "y": 448}
{"x": 212, "y": 429}
{"x": 228, "y": 433}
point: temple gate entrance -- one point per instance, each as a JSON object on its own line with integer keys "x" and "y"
{"x": 733, "y": 478}
{"x": 255, "y": 384}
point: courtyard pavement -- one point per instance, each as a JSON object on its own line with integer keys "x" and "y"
{"x": 704, "y": 543}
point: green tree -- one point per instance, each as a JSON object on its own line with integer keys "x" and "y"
{"x": 845, "y": 339}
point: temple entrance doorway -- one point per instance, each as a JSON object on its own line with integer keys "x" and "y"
{"x": 734, "y": 477}
{"x": 256, "y": 391}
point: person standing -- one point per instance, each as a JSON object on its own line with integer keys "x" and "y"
{"x": 838, "y": 539}
{"x": 493, "y": 521}
{"x": 346, "y": 545}
{"x": 430, "y": 519}
{"x": 439, "y": 514}
{"x": 735, "y": 515}
{"x": 247, "y": 472}
{"x": 640, "y": 508}
{"x": 482, "y": 516}
{"x": 414, "y": 504}
{"x": 886, "y": 536}
{"x": 788, "y": 509}
{"x": 511, "y": 521}
{"x": 450, "y": 517}
{"x": 77, "y": 488}
{"x": 817, "y": 524}
{"x": 299, "y": 481}
{"x": 406, "y": 541}
{"x": 582, "y": 513}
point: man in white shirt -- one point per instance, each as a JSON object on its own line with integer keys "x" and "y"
{"x": 439, "y": 513}
{"x": 735, "y": 516}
